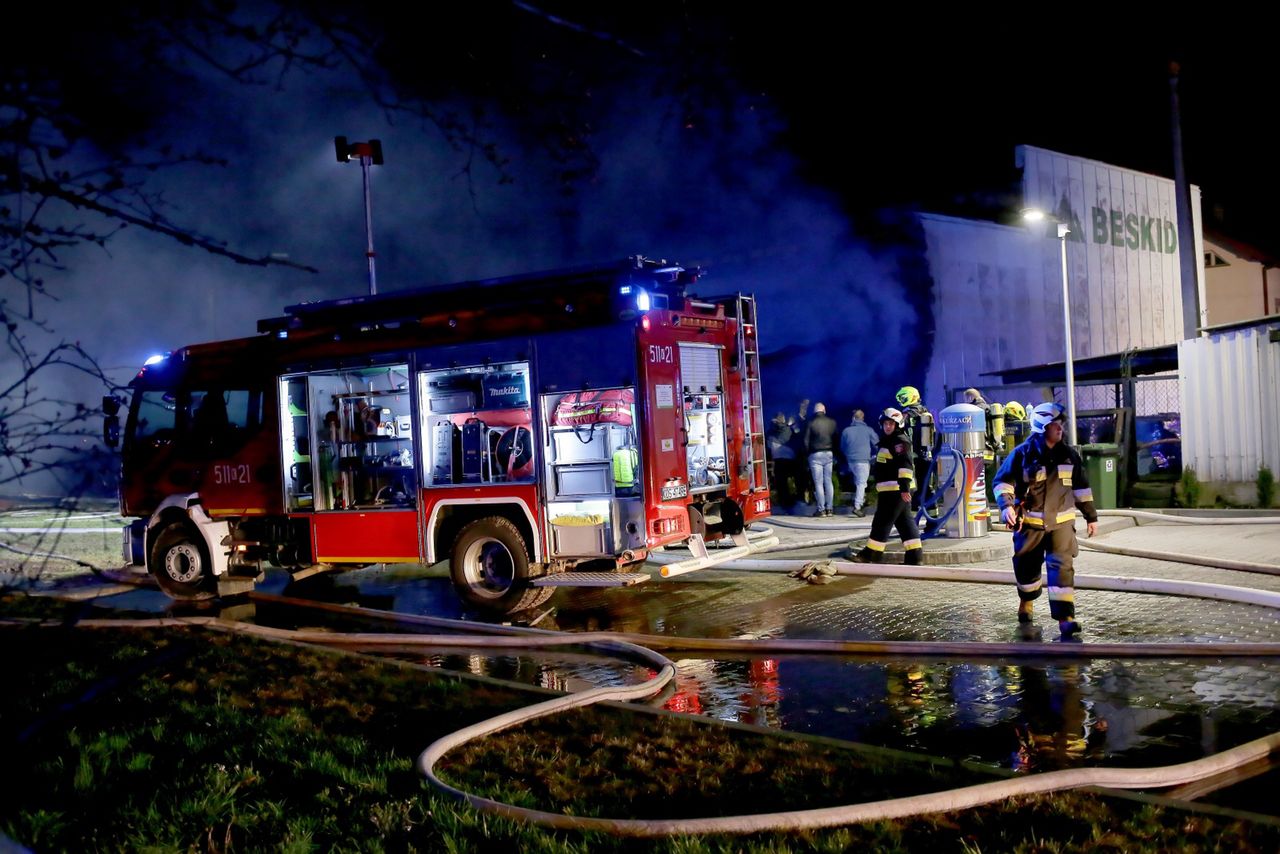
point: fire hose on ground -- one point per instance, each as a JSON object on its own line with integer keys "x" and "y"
{"x": 1179, "y": 519}
{"x": 961, "y": 798}
{"x": 633, "y": 647}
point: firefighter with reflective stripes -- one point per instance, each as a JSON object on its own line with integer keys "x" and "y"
{"x": 918, "y": 423}
{"x": 895, "y": 477}
{"x": 1039, "y": 488}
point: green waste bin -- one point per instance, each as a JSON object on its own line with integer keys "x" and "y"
{"x": 1102, "y": 464}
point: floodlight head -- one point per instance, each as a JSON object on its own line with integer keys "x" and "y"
{"x": 348, "y": 151}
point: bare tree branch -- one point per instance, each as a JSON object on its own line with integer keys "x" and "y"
{"x": 608, "y": 38}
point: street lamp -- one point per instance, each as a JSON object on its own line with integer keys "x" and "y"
{"x": 1036, "y": 215}
{"x": 369, "y": 154}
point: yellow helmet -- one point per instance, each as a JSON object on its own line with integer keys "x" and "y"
{"x": 908, "y": 395}
{"x": 1014, "y": 410}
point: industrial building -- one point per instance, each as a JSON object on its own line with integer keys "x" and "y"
{"x": 998, "y": 298}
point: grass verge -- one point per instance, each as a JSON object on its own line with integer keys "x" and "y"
{"x": 187, "y": 739}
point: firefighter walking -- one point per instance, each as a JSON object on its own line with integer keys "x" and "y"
{"x": 894, "y": 475}
{"x": 1039, "y": 488}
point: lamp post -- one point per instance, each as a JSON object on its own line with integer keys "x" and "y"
{"x": 369, "y": 154}
{"x": 1034, "y": 215}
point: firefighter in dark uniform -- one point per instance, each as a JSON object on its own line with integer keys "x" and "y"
{"x": 919, "y": 426}
{"x": 1039, "y": 488}
{"x": 894, "y": 475}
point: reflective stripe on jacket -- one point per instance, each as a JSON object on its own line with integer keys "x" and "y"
{"x": 1049, "y": 484}
{"x": 894, "y": 467}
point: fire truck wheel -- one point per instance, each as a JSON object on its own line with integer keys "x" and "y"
{"x": 490, "y": 567}
{"x": 181, "y": 565}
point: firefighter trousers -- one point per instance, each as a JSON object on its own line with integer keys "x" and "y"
{"x": 1056, "y": 550}
{"x": 892, "y": 511}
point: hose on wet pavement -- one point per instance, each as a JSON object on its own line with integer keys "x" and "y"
{"x": 1178, "y": 557}
{"x": 1179, "y": 519}
{"x": 973, "y": 575}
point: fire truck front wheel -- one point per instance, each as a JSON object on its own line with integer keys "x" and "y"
{"x": 180, "y": 563}
{"x": 490, "y": 567}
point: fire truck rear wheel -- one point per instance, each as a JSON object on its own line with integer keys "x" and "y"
{"x": 181, "y": 565}
{"x": 490, "y": 567}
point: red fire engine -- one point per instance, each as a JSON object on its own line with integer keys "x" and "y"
{"x": 537, "y": 431}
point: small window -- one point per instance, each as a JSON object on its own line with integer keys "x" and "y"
{"x": 1213, "y": 259}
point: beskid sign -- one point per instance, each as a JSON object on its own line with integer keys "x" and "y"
{"x": 1123, "y": 230}
{"x": 1147, "y": 233}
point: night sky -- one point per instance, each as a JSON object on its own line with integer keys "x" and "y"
{"x": 782, "y": 148}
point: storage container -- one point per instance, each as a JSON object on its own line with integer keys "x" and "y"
{"x": 578, "y": 539}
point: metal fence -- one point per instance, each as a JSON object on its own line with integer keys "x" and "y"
{"x": 1153, "y": 445}
{"x": 1148, "y": 396}
{"x": 1231, "y": 385}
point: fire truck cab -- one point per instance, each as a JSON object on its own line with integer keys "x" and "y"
{"x": 535, "y": 431}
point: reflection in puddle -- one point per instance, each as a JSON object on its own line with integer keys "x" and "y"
{"x": 1016, "y": 715}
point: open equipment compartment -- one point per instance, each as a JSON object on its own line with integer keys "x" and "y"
{"x": 593, "y": 494}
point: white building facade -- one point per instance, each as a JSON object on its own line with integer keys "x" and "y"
{"x": 998, "y": 289}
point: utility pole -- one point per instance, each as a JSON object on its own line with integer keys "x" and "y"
{"x": 1188, "y": 258}
{"x": 369, "y": 154}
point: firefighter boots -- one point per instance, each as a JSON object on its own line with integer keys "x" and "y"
{"x": 867, "y": 555}
{"x": 1027, "y": 630}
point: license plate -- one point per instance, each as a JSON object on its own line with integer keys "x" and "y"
{"x": 678, "y": 490}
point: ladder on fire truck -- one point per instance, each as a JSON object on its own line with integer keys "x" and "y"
{"x": 753, "y": 449}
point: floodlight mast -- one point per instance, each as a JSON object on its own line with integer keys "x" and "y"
{"x": 369, "y": 154}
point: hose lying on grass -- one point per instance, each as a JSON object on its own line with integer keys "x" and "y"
{"x": 614, "y": 643}
{"x": 507, "y": 637}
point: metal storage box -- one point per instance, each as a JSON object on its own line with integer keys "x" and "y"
{"x": 583, "y": 480}
{"x": 578, "y": 539}
{"x": 570, "y": 447}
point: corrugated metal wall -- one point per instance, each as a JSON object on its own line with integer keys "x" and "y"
{"x": 1231, "y": 403}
